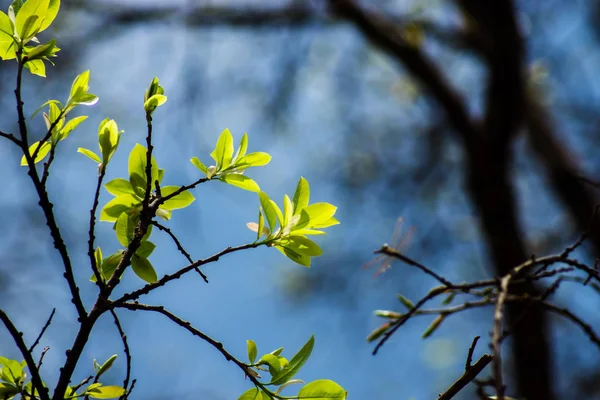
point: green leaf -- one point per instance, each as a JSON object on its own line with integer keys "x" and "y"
{"x": 269, "y": 210}
{"x": 109, "y": 265}
{"x": 12, "y": 371}
{"x": 50, "y": 14}
{"x": 86, "y": 99}
{"x": 301, "y": 245}
{"x": 98, "y": 257}
{"x": 406, "y": 302}
{"x": 277, "y": 212}
{"x": 273, "y": 363}
{"x": 252, "y": 350}
{"x": 7, "y": 391}
{"x": 118, "y": 187}
{"x": 254, "y": 394}
{"x": 137, "y": 166}
{"x": 71, "y": 125}
{"x": 241, "y": 151}
{"x": 42, "y": 51}
{"x": 378, "y": 332}
{"x": 30, "y": 18}
{"x": 124, "y": 229}
{"x": 302, "y": 232}
{"x": 7, "y": 42}
{"x": 253, "y": 160}
{"x": 90, "y": 154}
{"x": 322, "y": 389}
{"x": 144, "y": 269}
{"x": 80, "y": 85}
{"x": 295, "y": 363}
{"x": 41, "y": 154}
{"x": 240, "y": 181}
{"x": 114, "y": 208}
{"x": 108, "y": 139}
{"x": 326, "y": 224}
{"x": 288, "y": 209}
{"x": 146, "y": 248}
{"x": 315, "y": 215}
{"x": 296, "y": 257}
{"x": 301, "y": 196}
{"x": 164, "y": 214}
{"x": 277, "y": 352}
{"x": 223, "y": 152}
{"x": 105, "y": 392}
{"x": 154, "y": 102}
{"x": 36, "y": 67}
{"x": 106, "y": 366}
{"x": 198, "y": 164}
{"x": 434, "y": 325}
{"x": 182, "y": 200}
{"x": 262, "y": 229}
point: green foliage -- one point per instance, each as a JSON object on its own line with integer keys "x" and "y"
{"x": 287, "y": 230}
{"x": 282, "y": 371}
{"x": 230, "y": 167}
{"x": 137, "y": 201}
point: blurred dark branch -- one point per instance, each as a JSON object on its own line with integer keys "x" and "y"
{"x": 203, "y": 15}
{"x": 563, "y": 174}
{"x": 383, "y": 33}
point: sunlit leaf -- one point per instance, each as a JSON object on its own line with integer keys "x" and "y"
{"x": 90, "y": 154}
{"x": 241, "y": 181}
{"x": 182, "y": 200}
{"x": 144, "y": 269}
{"x": 322, "y": 389}
{"x": 295, "y": 363}
{"x": 43, "y": 151}
{"x": 252, "y": 350}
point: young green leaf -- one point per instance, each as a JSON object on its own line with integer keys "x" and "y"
{"x": 90, "y": 154}
{"x": 108, "y": 139}
{"x": 241, "y": 151}
{"x": 144, "y": 269}
{"x": 434, "y": 325}
{"x": 106, "y": 366}
{"x": 252, "y": 350}
{"x": 254, "y": 394}
{"x": 198, "y": 164}
{"x": 378, "y": 332}
{"x": 105, "y": 392}
{"x": 302, "y": 245}
{"x": 223, "y": 153}
{"x": 295, "y": 363}
{"x": 146, "y": 248}
{"x": 257, "y": 159}
{"x": 7, "y": 42}
{"x": 315, "y": 214}
{"x": 182, "y": 200}
{"x": 301, "y": 259}
{"x": 273, "y": 363}
{"x": 154, "y": 102}
{"x": 108, "y": 266}
{"x": 98, "y": 257}
{"x": 80, "y": 85}
{"x": 269, "y": 210}
{"x": 114, "y": 208}
{"x": 36, "y": 67}
{"x": 124, "y": 229}
{"x": 137, "y": 166}
{"x": 288, "y": 209}
{"x": 240, "y": 181}
{"x": 41, "y": 153}
{"x": 51, "y": 13}
{"x": 406, "y": 302}
{"x": 118, "y": 187}
{"x": 301, "y": 196}
{"x": 71, "y": 125}
{"x": 322, "y": 389}
{"x": 30, "y": 18}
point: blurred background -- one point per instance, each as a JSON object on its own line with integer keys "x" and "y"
{"x": 476, "y": 123}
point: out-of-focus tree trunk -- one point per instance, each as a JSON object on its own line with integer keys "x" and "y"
{"x": 488, "y": 148}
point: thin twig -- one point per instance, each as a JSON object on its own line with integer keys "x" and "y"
{"x": 11, "y": 137}
{"x": 44, "y": 351}
{"x": 468, "y": 376}
{"x": 180, "y": 247}
{"x": 46, "y": 325}
{"x": 187, "y": 326}
{"x": 17, "y": 336}
{"x": 125, "y": 347}
{"x": 167, "y": 278}
{"x": 470, "y": 354}
{"x": 91, "y": 233}
{"x": 394, "y": 253}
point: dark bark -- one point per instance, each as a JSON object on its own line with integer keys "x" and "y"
{"x": 489, "y": 155}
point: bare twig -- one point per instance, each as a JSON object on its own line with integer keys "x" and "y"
{"x": 470, "y": 354}
{"x": 17, "y": 336}
{"x": 125, "y": 347}
{"x": 91, "y": 233}
{"x": 46, "y": 325}
{"x": 11, "y": 137}
{"x": 468, "y": 376}
{"x": 394, "y": 253}
{"x": 179, "y": 247}
{"x": 167, "y": 278}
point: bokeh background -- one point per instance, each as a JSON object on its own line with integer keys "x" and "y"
{"x": 329, "y": 105}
